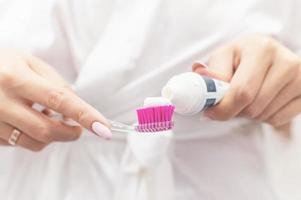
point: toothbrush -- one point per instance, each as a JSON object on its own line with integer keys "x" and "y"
{"x": 150, "y": 119}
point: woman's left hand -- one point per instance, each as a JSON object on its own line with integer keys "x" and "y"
{"x": 265, "y": 80}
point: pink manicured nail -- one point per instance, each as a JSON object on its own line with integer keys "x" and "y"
{"x": 101, "y": 130}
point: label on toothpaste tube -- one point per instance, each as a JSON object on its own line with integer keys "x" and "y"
{"x": 210, "y": 84}
{"x": 209, "y": 102}
{"x": 215, "y": 91}
{"x": 211, "y": 88}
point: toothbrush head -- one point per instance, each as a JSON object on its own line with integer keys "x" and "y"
{"x": 155, "y": 118}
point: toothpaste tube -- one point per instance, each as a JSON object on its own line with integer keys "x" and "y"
{"x": 192, "y": 93}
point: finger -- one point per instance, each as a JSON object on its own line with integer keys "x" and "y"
{"x": 67, "y": 103}
{"x": 58, "y": 117}
{"x": 24, "y": 140}
{"x": 254, "y": 64}
{"x": 285, "y": 114}
{"x": 203, "y": 69}
{"x": 279, "y": 75}
{"x": 37, "y": 125}
{"x": 289, "y": 92}
{"x": 222, "y": 63}
{"x": 285, "y": 129}
{"x": 48, "y": 112}
{"x": 3, "y": 142}
{"x": 46, "y": 71}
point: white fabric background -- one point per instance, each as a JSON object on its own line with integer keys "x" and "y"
{"x": 116, "y": 53}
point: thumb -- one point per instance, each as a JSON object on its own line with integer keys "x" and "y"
{"x": 204, "y": 70}
{"x": 220, "y": 65}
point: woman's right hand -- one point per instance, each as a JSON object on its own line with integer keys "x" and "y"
{"x": 25, "y": 80}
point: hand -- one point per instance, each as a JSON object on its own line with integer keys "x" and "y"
{"x": 265, "y": 81}
{"x": 25, "y": 80}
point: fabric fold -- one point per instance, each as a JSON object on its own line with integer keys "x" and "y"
{"x": 283, "y": 161}
{"x": 146, "y": 172}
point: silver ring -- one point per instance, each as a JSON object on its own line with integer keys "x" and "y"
{"x": 14, "y": 136}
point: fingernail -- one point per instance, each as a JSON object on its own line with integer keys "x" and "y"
{"x": 101, "y": 130}
{"x": 70, "y": 122}
{"x": 196, "y": 66}
{"x": 203, "y": 64}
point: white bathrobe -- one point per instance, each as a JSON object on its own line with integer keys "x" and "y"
{"x": 118, "y": 52}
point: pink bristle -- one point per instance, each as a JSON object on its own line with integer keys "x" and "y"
{"x": 159, "y": 110}
{"x": 163, "y": 110}
{"x": 167, "y": 114}
{"x": 161, "y": 114}
{"x": 156, "y": 118}
{"x": 145, "y": 117}
{"x": 142, "y": 117}
{"x": 139, "y": 117}
{"x": 140, "y": 120}
{"x": 153, "y": 115}
{"x": 158, "y": 113}
{"x": 149, "y": 114}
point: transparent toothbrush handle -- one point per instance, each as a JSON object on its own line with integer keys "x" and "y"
{"x": 120, "y": 127}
